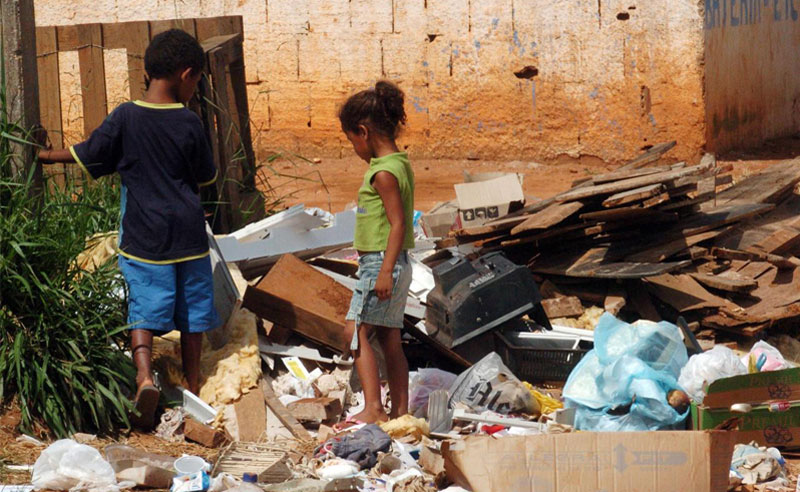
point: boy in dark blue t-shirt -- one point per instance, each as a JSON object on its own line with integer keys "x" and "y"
{"x": 161, "y": 153}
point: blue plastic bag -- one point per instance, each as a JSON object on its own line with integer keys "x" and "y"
{"x": 622, "y": 384}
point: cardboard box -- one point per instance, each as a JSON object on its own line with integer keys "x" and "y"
{"x": 440, "y": 219}
{"x": 759, "y": 390}
{"x": 656, "y": 461}
{"x": 482, "y": 201}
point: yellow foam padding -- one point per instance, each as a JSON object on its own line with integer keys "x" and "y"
{"x": 407, "y": 425}
{"x": 225, "y": 374}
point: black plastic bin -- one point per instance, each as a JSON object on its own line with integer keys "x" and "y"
{"x": 530, "y": 362}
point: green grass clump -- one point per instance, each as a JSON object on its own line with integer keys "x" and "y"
{"x": 61, "y": 329}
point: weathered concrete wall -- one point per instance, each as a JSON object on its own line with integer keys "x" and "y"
{"x": 752, "y": 71}
{"x": 613, "y": 76}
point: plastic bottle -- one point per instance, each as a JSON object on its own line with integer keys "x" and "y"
{"x": 249, "y": 484}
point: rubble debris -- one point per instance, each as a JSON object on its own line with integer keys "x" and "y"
{"x": 203, "y": 434}
{"x": 281, "y": 412}
{"x": 268, "y": 462}
{"x": 752, "y": 465}
{"x": 170, "y": 428}
{"x": 316, "y": 410}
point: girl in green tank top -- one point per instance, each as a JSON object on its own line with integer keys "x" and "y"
{"x": 384, "y": 231}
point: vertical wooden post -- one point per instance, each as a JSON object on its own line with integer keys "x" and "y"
{"x": 21, "y": 84}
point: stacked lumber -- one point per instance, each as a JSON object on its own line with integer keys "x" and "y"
{"x": 663, "y": 241}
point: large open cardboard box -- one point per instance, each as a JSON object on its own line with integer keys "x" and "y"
{"x": 760, "y": 425}
{"x": 658, "y": 461}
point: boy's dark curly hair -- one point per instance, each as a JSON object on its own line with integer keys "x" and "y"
{"x": 172, "y": 51}
{"x": 381, "y": 109}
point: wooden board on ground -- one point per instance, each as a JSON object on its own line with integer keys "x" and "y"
{"x": 498, "y": 225}
{"x": 562, "y": 307}
{"x": 652, "y": 154}
{"x": 728, "y": 281}
{"x": 601, "y": 262}
{"x": 766, "y": 187}
{"x": 684, "y": 293}
{"x": 280, "y": 411}
{"x": 627, "y": 213}
{"x": 634, "y": 195}
{"x": 548, "y": 217}
{"x": 629, "y": 184}
{"x": 296, "y": 296}
{"x": 251, "y": 416}
{"x": 663, "y": 251}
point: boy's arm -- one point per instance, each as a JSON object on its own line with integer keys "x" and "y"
{"x": 49, "y": 156}
{"x": 389, "y": 190}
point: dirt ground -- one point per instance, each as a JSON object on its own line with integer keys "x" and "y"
{"x": 331, "y": 184}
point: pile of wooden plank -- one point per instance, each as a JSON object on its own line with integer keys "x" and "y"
{"x": 664, "y": 240}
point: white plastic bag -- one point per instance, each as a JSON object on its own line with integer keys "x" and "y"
{"x": 67, "y": 465}
{"x": 703, "y": 369}
{"x": 490, "y": 385}
{"x": 422, "y": 384}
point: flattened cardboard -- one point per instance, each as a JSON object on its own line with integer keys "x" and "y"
{"x": 779, "y": 429}
{"x": 658, "y": 461}
{"x": 440, "y": 219}
{"x": 479, "y": 202}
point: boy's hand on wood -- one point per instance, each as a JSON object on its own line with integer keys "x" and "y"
{"x": 383, "y": 285}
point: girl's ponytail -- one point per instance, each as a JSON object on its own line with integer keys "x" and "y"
{"x": 381, "y": 109}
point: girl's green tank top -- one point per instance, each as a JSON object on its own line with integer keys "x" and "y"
{"x": 372, "y": 225}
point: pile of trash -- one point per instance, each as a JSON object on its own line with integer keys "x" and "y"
{"x": 506, "y": 367}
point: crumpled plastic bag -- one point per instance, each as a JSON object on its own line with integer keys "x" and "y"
{"x": 68, "y": 465}
{"x": 705, "y": 368}
{"x": 623, "y": 384}
{"x": 424, "y": 382}
{"x": 774, "y": 358}
{"x": 490, "y": 385}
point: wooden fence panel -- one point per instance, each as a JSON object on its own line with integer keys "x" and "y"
{"x": 134, "y": 38}
{"x": 93, "y": 76}
{"x": 50, "y": 93}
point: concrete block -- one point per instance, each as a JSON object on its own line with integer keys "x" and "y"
{"x": 404, "y": 58}
{"x": 279, "y": 58}
{"x": 288, "y": 16}
{"x": 491, "y": 19}
{"x": 328, "y": 57}
{"x": 448, "y": 18}
{"x": 290, "y": 106}
{"x": 411, "y": 18}
{"x": 371, "y": 16}
{"x": 330, "y": 16}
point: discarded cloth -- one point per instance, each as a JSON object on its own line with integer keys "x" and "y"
{"x": 629, "y": 380}
{"x": 362, "y": 446}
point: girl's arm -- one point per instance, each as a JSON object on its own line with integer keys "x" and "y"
{"x": 49, "y": 156}
{"x": 389, "y": 190}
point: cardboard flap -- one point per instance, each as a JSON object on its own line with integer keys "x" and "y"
{"x": 494, "y": 192}
{"x": 754, "y": 388}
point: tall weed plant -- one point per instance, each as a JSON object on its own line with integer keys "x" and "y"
{"x": 61, "y": 329}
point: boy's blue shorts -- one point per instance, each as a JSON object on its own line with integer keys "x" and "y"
{"x": 172, "y": 296}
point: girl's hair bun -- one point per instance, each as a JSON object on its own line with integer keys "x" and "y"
{"x": 381, "y": 108}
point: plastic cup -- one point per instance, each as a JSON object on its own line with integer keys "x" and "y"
{"x": 188, "y": 465}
